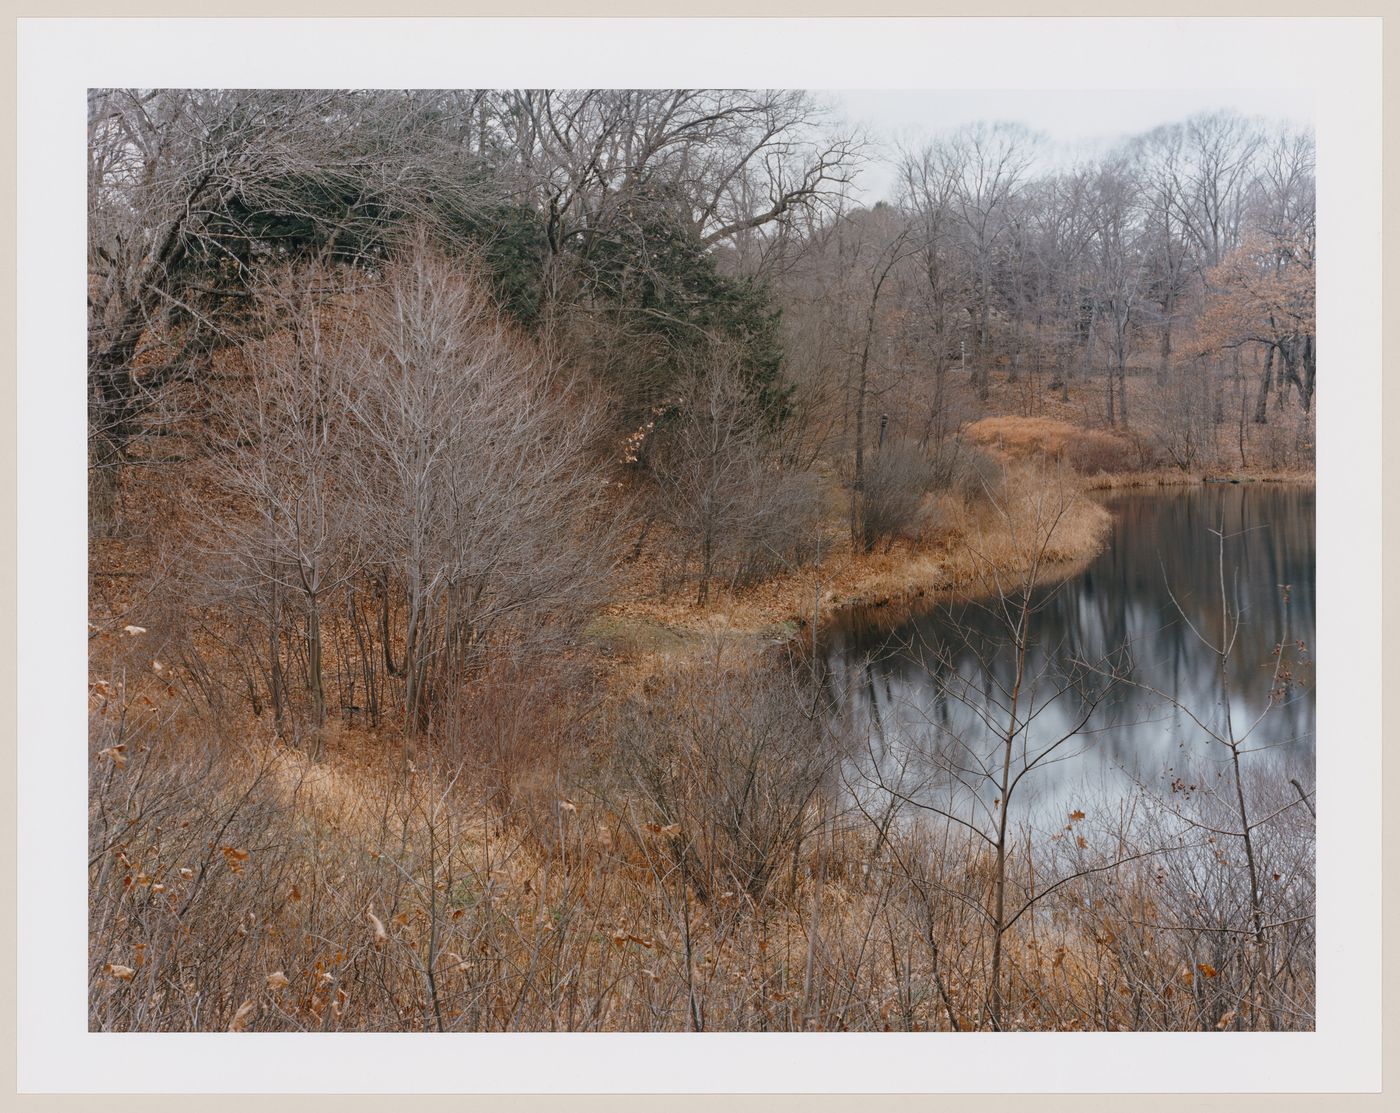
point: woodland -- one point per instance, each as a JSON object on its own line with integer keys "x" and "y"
{"x": 472, "y": 475}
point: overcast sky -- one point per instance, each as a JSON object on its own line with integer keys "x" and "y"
{"x": 1077, "y": 122}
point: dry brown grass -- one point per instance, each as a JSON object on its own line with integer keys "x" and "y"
{"x": 653, "y": 630}
{"x": 1173, "y": 477}
{"x": 514, "y": 880}
{"x": 1088, "y": 451}
{"x": 241, "y": 888}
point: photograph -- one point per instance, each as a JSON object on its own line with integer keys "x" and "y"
{"x": 735, "y": 559}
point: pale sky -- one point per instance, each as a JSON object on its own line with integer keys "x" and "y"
{"x": 1076, "y": 121}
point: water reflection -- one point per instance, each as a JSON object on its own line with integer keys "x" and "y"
{"x": 925, "y": 701}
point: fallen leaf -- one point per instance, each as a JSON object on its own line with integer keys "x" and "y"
{"x": 134, "y": 630}
{"x": 115, "y": 754}
{"x": 241, "y": 1017}
{"x": 121, "y": 973}
{"x": 380, "y": 935}
{"x": 277, "y": 980}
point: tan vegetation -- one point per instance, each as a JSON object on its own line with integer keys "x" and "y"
{"x": 950, "y": 557}
{"x": 611, "y": 901}
{"x": 473, "y": 473}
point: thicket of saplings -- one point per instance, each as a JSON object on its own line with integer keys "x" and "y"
{"x": 361, "y": 563}
{"x": 682, "y": 862}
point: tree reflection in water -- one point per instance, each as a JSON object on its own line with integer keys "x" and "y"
{"x": 907, "y": 695}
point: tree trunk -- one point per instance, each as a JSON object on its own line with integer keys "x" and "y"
{"x": 384, "y": 630}
{"x": 1012, "y": 730}
{"x": 1164, "y": 361}
{"x": 707, "y": 550}
{"x": 314, "y": 678}
{"x": 862, "y": 386}
{"x": 276, "y": 682}
{"x": 1266, "y": 384}
{"x": 1120, "y": 362}
{"x": 983, "y": 383}
{"x": 1309, "y": 372}
{"x": 1088, "y": 347}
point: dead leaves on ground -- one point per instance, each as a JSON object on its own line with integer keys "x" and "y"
{"x": 115, "y": 754}
{"x": 242, "y": 1016}
{"x": 377, "y": 925}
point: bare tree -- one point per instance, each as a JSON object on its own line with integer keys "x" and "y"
{"x": 1250, "y": 822}
{"x": 1158, "y": 156}
{"x": 193, "y": 195}
{"x": 886, "y": 254}
{"x": 986, "y": 165}
{"x": 284, "y": 528}
{"x": 1118, "y": 274}
{"x": 723, "y": 486}
{"x": 1216, "y": 165}
{"x": 1027, "y": 708}
{"x": 927, "y": 194}
{"x": 478, "y": 469}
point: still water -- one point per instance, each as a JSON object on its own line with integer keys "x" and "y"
{"x": 1120, "y": 687}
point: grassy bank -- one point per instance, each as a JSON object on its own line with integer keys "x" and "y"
{"x": 1053, "y": 468}
{"x": 1118, "y": 481}
{"x": 966, "y": 546}
{"x": 644, "y": 834}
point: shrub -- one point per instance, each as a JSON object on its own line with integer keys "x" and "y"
{"x": 734, "y": 509}
{"x": 783, "y": 528}
{"x": 966, "y": 471}
{"x": 1094, "y": 453}
{"x": 897, "y": 478}
{"x": 729, "y": 767}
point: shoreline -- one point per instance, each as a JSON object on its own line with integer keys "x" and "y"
{"x": 646, "y": 636}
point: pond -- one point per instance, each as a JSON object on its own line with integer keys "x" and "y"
{"x": 1119, "y": 686}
